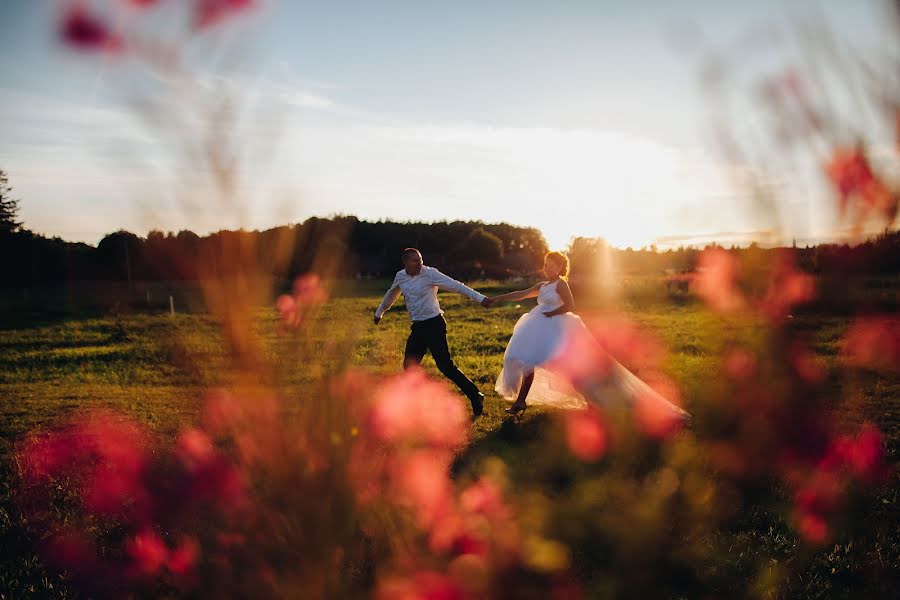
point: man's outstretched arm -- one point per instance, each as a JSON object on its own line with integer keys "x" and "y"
{"x": 451, "y": 285}
{"x": 389, "y": 298}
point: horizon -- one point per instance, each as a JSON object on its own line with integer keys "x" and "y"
{"x": 582, "y": 121}
{"x": 653, "y": 247}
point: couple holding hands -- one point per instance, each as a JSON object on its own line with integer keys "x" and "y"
{"x": 535, "y": 345}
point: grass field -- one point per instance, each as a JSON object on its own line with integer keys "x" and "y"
{"x": 156, "y": 367}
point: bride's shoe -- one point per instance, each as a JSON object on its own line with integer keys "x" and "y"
{"x": 516, "y": 408}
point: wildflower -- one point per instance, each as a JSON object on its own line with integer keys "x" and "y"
{"x": 425, "y": 585}
{"x": 656, "y": 410}
{"x": 147, "y": 552}
{"x": 716, "y": 281}
{"x": 412, "y": 408}
{"x": 194, "y": 448}
{"x": 873, "y": 341}
{"x": 853, "y": 179}
{"x": 421, "y": 480}
{"x": 586, "y": 434}
{"x": 210, "y": 12}
{"x": 867, "y": 455}
{"x": 740, "y": 364}
{"x": 83, "y": 31}
{"x": 307, "y": 293}
{"x": 787, "y": 287}
{"x": 183, "y": 558}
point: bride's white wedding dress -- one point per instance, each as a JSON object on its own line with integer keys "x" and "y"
{"x": 536, "y": 345}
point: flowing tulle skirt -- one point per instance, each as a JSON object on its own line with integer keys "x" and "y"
{"x": 537, "y": 346}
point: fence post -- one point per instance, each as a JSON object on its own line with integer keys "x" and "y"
{"x": 171, "y": 306}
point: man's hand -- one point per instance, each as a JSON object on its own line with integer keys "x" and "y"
{"x": 377, "y": 320}
{"x": 487, "y": 302}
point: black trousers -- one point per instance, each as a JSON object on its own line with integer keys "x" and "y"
{"x": 431, "y": 334}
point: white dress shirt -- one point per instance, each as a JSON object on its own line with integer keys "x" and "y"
{"x": 420, "y": 293}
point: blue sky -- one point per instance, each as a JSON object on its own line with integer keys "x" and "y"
{"x": 578, "y": 117}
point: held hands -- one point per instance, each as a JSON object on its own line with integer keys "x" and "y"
{"x": 487, "y": 302}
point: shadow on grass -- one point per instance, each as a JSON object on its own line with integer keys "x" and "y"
{"x": 513, "y": 442}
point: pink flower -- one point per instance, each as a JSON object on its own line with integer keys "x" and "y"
{"x": 219, "y": 483}
{"x": 111, "y": 491}
{"x": 853, "y": 179}
{"x": 740, "y": 364}
{"x": 147, "y": 552}
{"x": 287, "y": 308}
{"x": 821, "y": 495}
{"x": 425, "y": 585}
{"x": 210, "y": 12}
{"x": 873, "y": 341}
{"x": 97, "y": 439}
{"x": 483, "y": 497}
{"x": 83, "y": 31}
{"x": 307, "y": 293}
{"x": 716, "y": 281}
{"x": 412, "y": 408}
{"x": 586, "y": 434}
{"x": 806, "y": 364}
{"x": 657, "y": 411}
{"x": 837, "y": 454}
{"x": 43, "y": 456}
{"x": 623, "y": 340}
{"x": 194, "y": 448}
{"x": 421, "y": 480}
{"x": 184, "y": 557}
{"x": 787, "y": 287}
{"x": 581, "y": 360}
{"x": 813, "y": 528}
{"x": 867, "y": 455}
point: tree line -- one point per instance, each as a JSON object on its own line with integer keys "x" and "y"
{"x": 363, "y": 249}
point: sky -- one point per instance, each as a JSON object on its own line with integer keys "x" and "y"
{"x": 580, "y": 118}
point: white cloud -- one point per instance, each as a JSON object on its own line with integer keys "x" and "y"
{"x": 332, "y": 158}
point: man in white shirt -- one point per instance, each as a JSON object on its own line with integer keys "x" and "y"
{"x": 419, "y": 285}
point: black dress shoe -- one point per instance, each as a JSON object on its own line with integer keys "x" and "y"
{"x": 477, "y": 405}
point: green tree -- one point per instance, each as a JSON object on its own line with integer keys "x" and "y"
{"x": 9, "y": 207}
{"x": 483, "y": 246}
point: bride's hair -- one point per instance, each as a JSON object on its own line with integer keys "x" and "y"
{"x": 562, "y": 260}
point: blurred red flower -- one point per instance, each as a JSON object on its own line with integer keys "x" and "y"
{"x": 873, "y": 341}
{"x": 853, "y": 179}
{"x": 586, "y": 433}
{"x": 83, "y": 31}
{"x": 194, "y": 448}
{"x": 716, "y": 280}
{"x": 148, "y": 553}
{"x": 867, "y": 457}
{"x": 410, "y": 408}
{"x": 210, "y": 12}
{"x": 307, "y": 293}
{"x": 426, "y": 585}
{"x": 184, "y": 557}
{"x": 787, "y": 286}
{"x": 421, "y": 481}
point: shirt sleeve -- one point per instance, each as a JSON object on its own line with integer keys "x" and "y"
{"x": 389, "y": 298}
{"x": 445, "y": 282}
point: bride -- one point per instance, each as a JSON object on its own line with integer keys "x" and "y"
{"x": 540, "y": 335}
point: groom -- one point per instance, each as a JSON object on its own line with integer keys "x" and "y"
{"x": 419, "y": 285}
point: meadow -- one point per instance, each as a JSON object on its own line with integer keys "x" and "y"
{"x": 59, "y": 356}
